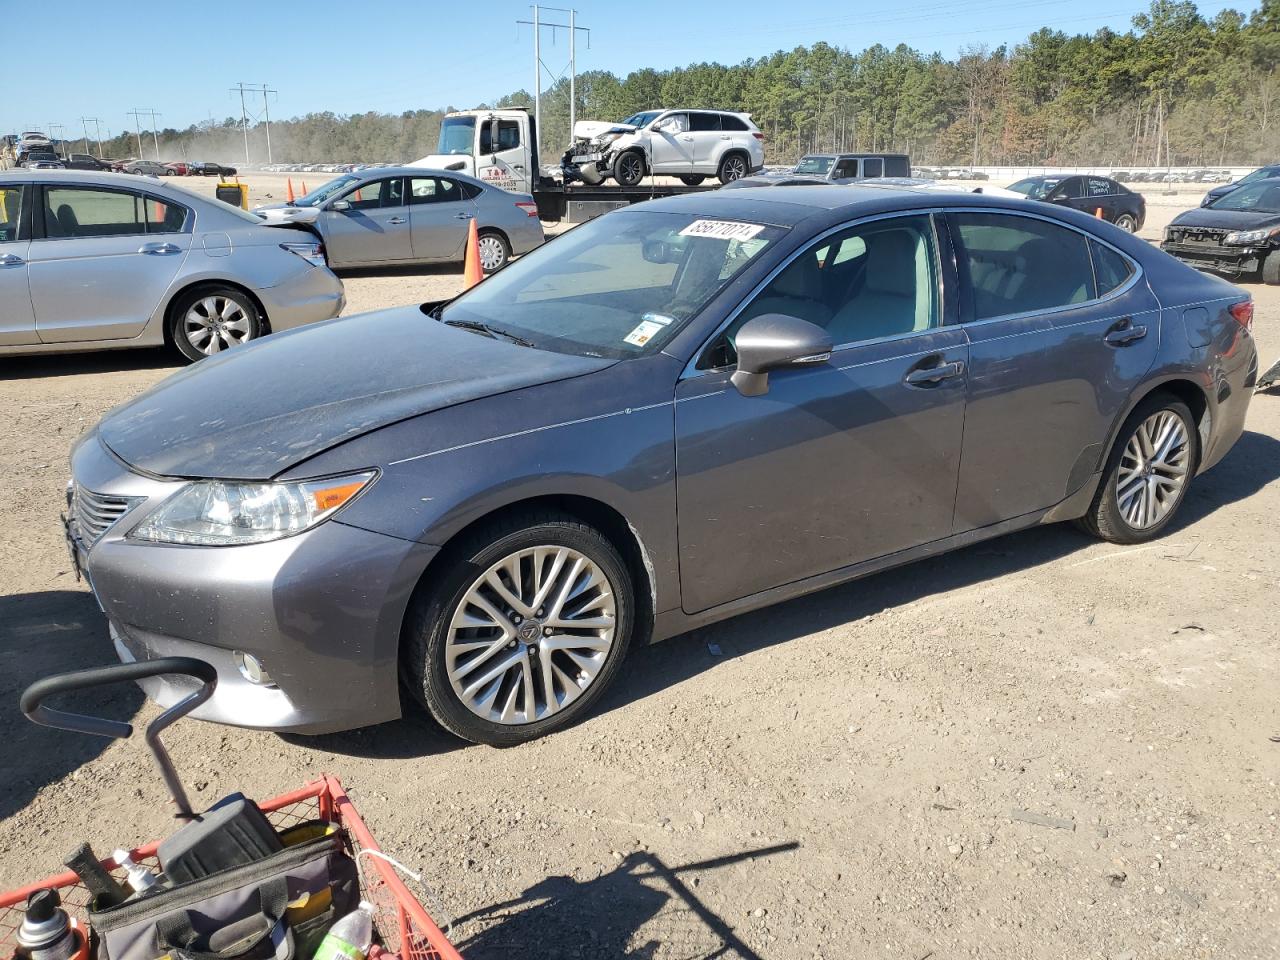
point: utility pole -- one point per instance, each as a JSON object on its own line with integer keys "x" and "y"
{"x": 137, "y": 123}
{"x": 55, "y": 138}
{"x": 155, "y": 137}
{"x": 243, "y": 88}
{"x": 244, "y": 120}
{"x": 266, "y": 118}
{"x": 538, "y": 66}
{"x": 97, "y": 129}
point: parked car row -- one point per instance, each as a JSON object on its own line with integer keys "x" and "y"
{"x": 324, "y": 167}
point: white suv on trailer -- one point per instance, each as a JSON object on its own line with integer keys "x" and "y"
{"x": 689, "y": 144}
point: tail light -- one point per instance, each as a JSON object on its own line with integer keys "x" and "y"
{"x": 528, "y": 207}
{"x": 759, "y": 136}
{"x": 311, "y": 251}
{"x": 1242, "y": 311}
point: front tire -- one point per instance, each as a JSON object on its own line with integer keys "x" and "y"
{"x": 522, "y": 631}
{"x": 209, "y": 320}
{"x": 733, "y": 167}
{"x": 494, "y": 251}
{"x": 628, "y": 168}
{"x": 1271, "y": 269}
{"x": 1147, "y": 474}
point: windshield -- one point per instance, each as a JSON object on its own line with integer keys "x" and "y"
{"x": 322, "y": 193}
{"x": 457, "y": 135}
{"x": 642, "y": 119}
{"x": 818, "y": 165}
{"x": 1035, "y": 187}
{"x": 1260, "y": 197}
{"x": 618, "y": 286}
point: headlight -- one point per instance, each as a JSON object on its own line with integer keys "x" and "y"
{"x": 1244, "y": 238}
{"x": 607, "y": 138}
{"x": 225, "y": 513}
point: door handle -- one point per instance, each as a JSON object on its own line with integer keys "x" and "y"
{"x": 931, "y": 376}
{"x": 159, "y": 249}
{"x": 690, "y": 139}
{"x": 397, "y": 220}
{"x": 726, "y": 137}
{"x": 463, "y": 216}
{"x": 1124, "y": 333}
{"x": 10, "y": 260}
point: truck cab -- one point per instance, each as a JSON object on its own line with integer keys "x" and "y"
{"x": 496, "y": 146}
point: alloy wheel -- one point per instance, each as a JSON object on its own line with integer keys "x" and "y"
{"x": 530, "y": 635}
{"x": 631, "y": 167}
{"x": 214, "y": 323}
{"x": 735, "y": 168}
{"x": 1126, "y": 223}
{"x": 1152, "y": 470}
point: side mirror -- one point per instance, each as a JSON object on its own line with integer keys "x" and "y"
{"x": 772, "y": 341}
{"x": 661, "y": 251}
{"x": 493, "y": 137}
{"x": 339, "y": 206}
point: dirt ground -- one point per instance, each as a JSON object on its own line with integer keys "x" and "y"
{"x": 1038, "y": 747}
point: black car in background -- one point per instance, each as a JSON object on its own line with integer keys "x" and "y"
{"x": 84, "y": 161}
{"x": 1236, "y": 234}
{"x": 1118, "y": 203}
{"x": 205, "y": 169}
{"x": 1262, "y": 173}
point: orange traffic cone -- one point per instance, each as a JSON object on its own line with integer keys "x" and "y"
{"x": 289, "y": 195}
{"x": 471, "y": 271}
{"x": 305, "y": 191}
{"x": 1098, "y": 213}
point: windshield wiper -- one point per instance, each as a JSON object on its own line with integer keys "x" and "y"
{"x": 487, "y": 330}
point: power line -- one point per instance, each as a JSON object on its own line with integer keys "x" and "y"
{"x": 243, "y": 88}
{"x": 85, "y": 121}
{"x": 538, "y": 66}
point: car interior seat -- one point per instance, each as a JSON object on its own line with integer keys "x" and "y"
{"x": 796, "y": 292}
{"x": 894, "y": 297}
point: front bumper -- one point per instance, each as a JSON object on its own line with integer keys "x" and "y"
{"x": 321, "y": 610}
{"x": 1230, "y": 261}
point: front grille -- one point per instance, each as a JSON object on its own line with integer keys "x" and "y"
{"x": 92, "y": 514}
{"x": 1197, "y": 235}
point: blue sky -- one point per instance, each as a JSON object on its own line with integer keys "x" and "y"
{"x": 102, "y": 59}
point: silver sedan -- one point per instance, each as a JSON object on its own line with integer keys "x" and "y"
{"x": 92, "y": 261}
{"x": 411, "y": 215}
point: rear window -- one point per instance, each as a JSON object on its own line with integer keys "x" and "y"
{"x": 1110, "y": 269}
{"x": 897, "y": 167}
{"x": 729, "y": 122}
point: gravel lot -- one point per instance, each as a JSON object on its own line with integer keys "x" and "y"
{"x": 1041, "y": 746}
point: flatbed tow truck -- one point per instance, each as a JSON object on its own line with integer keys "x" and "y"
{"x": 500, "y": 147}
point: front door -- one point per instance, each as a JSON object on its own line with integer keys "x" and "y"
{"x": 105, "y": 262}
{"x": 503, "y": 164}
{"x": 440, "y": 215}
{"x": 671, "y": 145}
{"x": 17, "y": 320}
{"x": 371, "y": 226}
{"x": 838, "y": 463}
{"x": 1054, "y": 356}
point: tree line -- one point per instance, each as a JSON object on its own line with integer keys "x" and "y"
{"x": 1176, "y": 89}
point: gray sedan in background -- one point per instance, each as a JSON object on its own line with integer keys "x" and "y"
{"x": 409, "y": 215}
{"x": 676, "y": 413}
{"x": 97, "y": 261}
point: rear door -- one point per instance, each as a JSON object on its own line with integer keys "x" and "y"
{"x": 709, "y": 140}
{"x": 103, "y": 261}
{"x": 1103, "y": 193}
{"x": 441, "y": 210}
{"x": 373, "y": 227}
{"x": 17, "y": 319}
{"x": 1061, "y": 330}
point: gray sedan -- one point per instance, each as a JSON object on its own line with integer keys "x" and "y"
{"x": 409, "y": 215}
{"x": 97, "y": 261}
{"x": 674, "y": 414}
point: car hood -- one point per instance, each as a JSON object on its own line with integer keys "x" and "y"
{"x": 1225, "y": 219}
{"x": 255, "y": 411}
{"x": 453, "y": 162}
{"x": 285, "y": 214}
{"x": 590, "y": 129}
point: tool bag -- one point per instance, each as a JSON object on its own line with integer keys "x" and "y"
{"x": 276, "y": 908}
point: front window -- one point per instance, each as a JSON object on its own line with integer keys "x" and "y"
{"x": 10, "y": 213}
{"x": 619, "y": 286}
{"x": 1261, "y": 173}
{"x": 1260, "y": 197}
{"x": 814, "y": 165}
{"x": 1036, "y": 188}
{"x": 376, "y": 193}
{"x": 322, "y": 193}
{"x": 642, "y": 119}
{"x": 457, "y": 135}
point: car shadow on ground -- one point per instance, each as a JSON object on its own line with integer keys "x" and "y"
{"x": 79, "y": 364}
{"x": 408, "y": 270}
{"x": 1253, "y": 463}
{"x": 42, "y": 634}
{"x": 602, "y": 917}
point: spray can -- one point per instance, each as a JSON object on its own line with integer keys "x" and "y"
{"x": 46, "y": 932}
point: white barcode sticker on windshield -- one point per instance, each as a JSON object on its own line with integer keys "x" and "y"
{"x": 722, "y": 229}
{"x": 643, "y": 333}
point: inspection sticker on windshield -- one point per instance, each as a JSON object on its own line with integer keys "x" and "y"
{"x": 643, "y": 332}
{"x": 722, "y": 229}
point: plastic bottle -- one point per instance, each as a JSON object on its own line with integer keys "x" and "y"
{"x": 46, "y": 932}
{"x": 140, "y": 878}
{"x": 350, "y": 938}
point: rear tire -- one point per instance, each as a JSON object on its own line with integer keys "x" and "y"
{"x": 209, "y": 320}
{"x": 435, "y": 634}
{"x": 1271, "y": 268}
{"x": 1127, "y": 223}
{"x": 692, "y": 179}
{"x": 734, "y": 166}
{"x": 1148, "y": 473}
{"x": 629, "y": 168}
